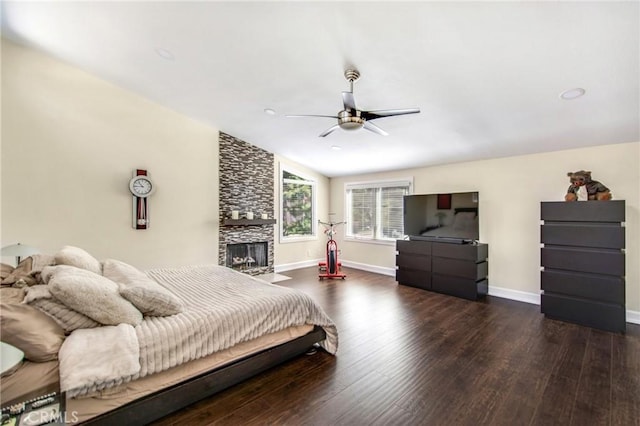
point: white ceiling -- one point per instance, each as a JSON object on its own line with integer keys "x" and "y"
{"x": 486, "y": 76}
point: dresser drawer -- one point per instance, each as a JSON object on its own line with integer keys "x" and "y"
{"x": 414, "y": 278}
{"x": 599, "y": 261}
{"x": 605, "y": 316}
{"x": 605, "y": 288}
{"x": 603, "y": 235}
{"x": 460, "y": 268}
{"x": 583, "y": 211}
{"x": 413, "y": 247}
{"x": 412, "y": 261}
{"x": 460, "y": 287}
{"x": 472, "y": 252}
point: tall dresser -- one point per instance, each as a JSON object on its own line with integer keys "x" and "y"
{"x": 583, "y": 263}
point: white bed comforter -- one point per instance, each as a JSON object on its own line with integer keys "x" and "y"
{"x": 222, "y": 308}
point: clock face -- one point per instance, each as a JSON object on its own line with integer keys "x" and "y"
{"x": 141, "y": 186}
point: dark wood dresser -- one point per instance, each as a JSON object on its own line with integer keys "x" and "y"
{"x": 583, "y": 263}
{"x": 455, "y": 269}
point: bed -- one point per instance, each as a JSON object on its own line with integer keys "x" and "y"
{"x": 223, "y": 327}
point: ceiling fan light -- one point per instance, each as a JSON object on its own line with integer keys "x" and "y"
{"x": 351, "y": 118}
{"x": 351, "y": 125}
{"x": 347, "y": 121}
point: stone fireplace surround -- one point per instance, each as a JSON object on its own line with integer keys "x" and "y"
{"x": 246, "y": 184}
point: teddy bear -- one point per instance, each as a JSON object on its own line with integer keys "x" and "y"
{"x": 583, "y": 188}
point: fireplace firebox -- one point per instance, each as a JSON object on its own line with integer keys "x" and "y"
{"x": 247, "y": 256}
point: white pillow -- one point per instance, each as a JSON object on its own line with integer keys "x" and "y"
{"x": 93, "y": 295}
{"x": 40, "y": 297}
{"x": 49, "y": 271}
{"x": 147, "y": 295}
{"x": 74, "y": 256}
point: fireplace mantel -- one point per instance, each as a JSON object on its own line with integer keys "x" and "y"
{"x": 248, "y": 222}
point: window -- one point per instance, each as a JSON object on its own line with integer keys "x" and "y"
{"x": 375, "y": 210}
{"x": 298, "y": 206}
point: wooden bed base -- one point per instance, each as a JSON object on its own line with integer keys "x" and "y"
{"x": 166, "y": 401}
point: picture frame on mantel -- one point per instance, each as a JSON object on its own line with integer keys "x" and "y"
{"x": 444, "y": 201}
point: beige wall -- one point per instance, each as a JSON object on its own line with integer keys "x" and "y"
{"x": 70, "y": 143}
{"x": 510, "y": 193}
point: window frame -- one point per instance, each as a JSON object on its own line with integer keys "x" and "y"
{"x": 314, "y": 205}
{"x": 377, "y": 185}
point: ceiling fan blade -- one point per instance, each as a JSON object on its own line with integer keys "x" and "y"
{"x": 329, "y": 130}
{"x": 312, "y": 115}
{"x": 349, "y": 101}
{"x": 372, "y": 115}
{"x": 375, "y": 129}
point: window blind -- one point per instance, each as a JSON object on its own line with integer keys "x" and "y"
{"x": 375, "y": 209}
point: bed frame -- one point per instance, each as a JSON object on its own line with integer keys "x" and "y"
{"x": 166, "y": 401}
{"x": 466, "y": 209}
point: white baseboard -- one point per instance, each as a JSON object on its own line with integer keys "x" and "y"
{"x": 370, "y": 268}
{"x": 355, "y": 265}
{"x": 296, "y": 265}
{"x": 534, "y": 298}
{"x": 520, "y": 296}
{"x": 633, "y": 317}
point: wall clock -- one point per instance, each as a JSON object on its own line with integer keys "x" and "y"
{"x": 141, "y": 186}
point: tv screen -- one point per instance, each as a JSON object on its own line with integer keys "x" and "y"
{"x": 442, "y": 217}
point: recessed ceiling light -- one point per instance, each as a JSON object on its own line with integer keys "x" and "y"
{"x": 269, "y": 111}
{"x": 336, "y": 147}
{"x": 572, "y": 93}
{"x": 165, "y": 54}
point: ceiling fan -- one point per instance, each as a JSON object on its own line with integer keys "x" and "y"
{"x": 352, "y": 118}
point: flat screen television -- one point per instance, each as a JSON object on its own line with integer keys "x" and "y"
{"x": 442, "y": 217}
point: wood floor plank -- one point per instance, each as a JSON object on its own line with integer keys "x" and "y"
{"x": 300, "y": 395}
{"x": 363, "y": 401}
{"x": 625, "y": 381}
{"x": 450, "y": 388}
{"x": 572, "y": 356}
{"x": 593, "y": 397}
{"x": 528, "y": 373}
{"x": 555, "y": 404}
{"x": 411, "y": 357}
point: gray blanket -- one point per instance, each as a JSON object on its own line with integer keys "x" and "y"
{"x": 223, "y": 308}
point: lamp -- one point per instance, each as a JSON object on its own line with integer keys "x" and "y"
{"x": 11, "y": 358}
{"x": 18, "y": 250}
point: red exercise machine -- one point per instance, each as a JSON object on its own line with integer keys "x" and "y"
{"x": 331, "y": 267}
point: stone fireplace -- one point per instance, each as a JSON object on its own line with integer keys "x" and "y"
{"x": 246, "y": 184}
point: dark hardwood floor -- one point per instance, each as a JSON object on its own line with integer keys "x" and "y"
{"x": 412, "y": 357}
